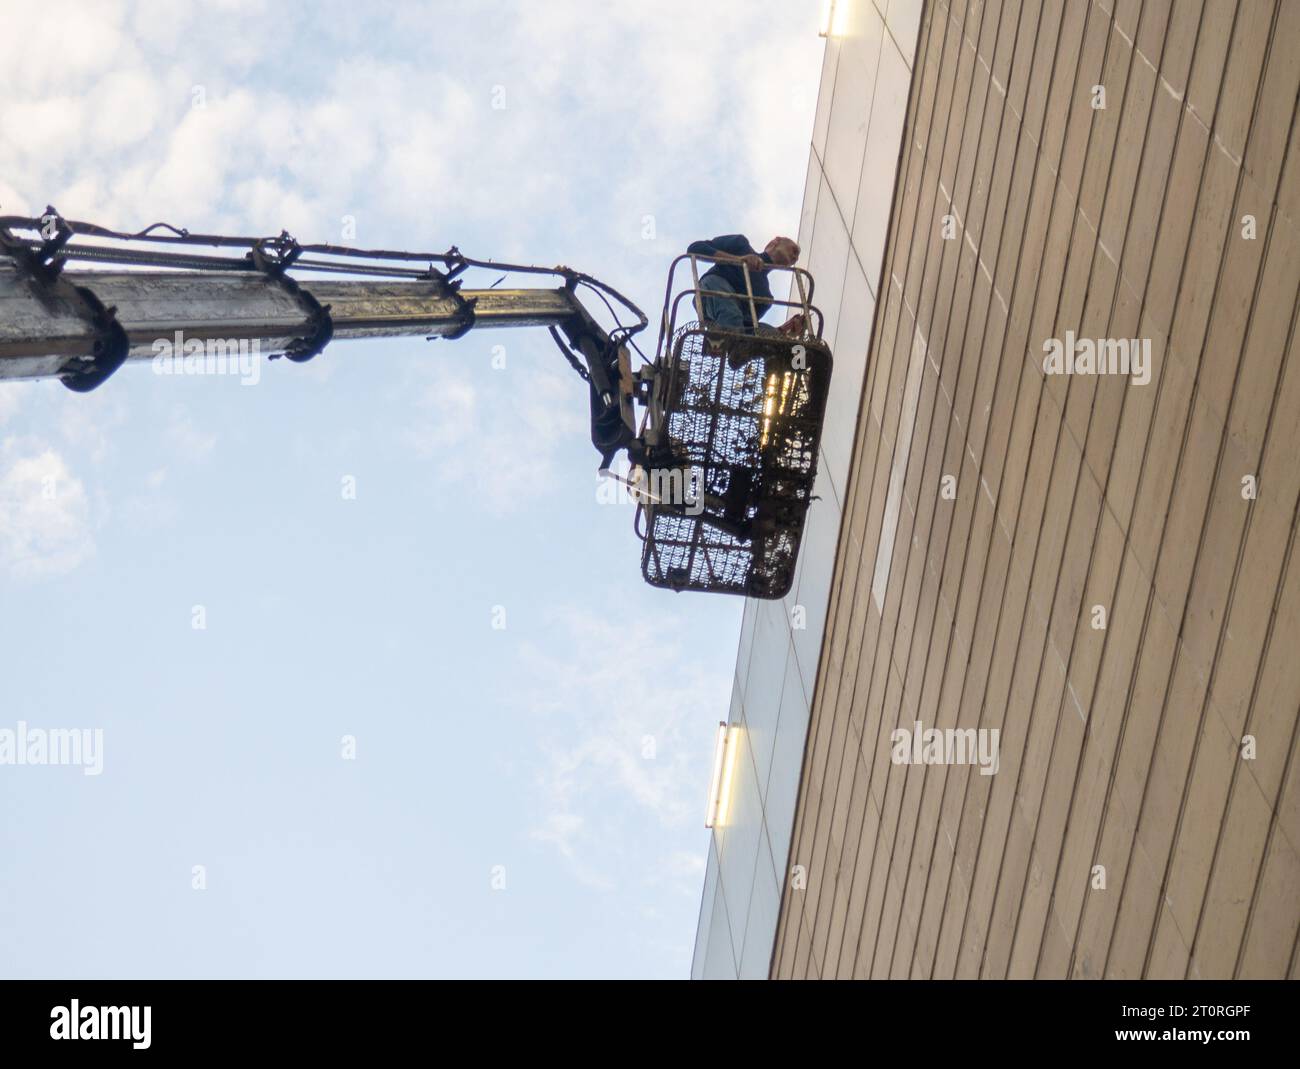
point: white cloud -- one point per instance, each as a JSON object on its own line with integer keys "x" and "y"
{"x": 88, "y": 421}
{"x": 44, "y": 515}
{"x": 131, "y": 98}
{"x": 87, "y": 37}
{"x": 447, "y": 406}
{"x": 607, "y": 117}
{"x": 502, "y": 452}
{"x": 598, "y": 783}
{"x": 563, "y": 831}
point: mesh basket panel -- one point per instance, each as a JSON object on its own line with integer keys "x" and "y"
{"x": 747, "y": 414}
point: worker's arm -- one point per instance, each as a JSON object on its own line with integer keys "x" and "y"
{"x": 728, "y": 247}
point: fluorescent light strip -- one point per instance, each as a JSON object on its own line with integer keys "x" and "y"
{"x": 715, "y": 781}
{"x": 828, "y": 18}
{"x": 835, "y": 17}
{"x": 724, "y": 798}
{"x": 724, "y": 769}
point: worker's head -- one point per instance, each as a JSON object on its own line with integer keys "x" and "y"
{"x": 783, "y": 251}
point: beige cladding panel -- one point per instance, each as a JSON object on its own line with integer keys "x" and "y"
{"x": 1098, "y": 566}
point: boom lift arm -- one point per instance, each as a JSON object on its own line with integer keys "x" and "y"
{"x": 735, "y": 418}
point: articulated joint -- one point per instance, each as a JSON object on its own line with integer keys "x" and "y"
{"x": 111, "y": 346}
{"x": 466, "y": 316}
{"x": 44, "y": 266}
{"x": 274, "y": 264}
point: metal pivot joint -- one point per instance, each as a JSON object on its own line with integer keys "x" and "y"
{"x": 274, "y": 263}
{"x": 44, "y": 266}
{"x": 607, "y": 372}
{"x": 449, "y": 284}
{"x": 111, "y": 345}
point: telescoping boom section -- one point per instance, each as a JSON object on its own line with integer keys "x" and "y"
{"x": 723, "y": 450}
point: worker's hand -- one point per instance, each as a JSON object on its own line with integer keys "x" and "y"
{"x": 796, "y": 324}
{"x": 754, "y": 262}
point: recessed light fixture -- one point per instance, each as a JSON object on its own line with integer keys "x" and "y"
{"x": 724, "y": 767}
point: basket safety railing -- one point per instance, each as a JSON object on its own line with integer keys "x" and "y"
{"x": 798, "y": 303}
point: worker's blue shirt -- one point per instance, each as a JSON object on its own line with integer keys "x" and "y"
{"x": 737, "y": 245}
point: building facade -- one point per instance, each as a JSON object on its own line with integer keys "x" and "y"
{"x": 1049, "y": 683}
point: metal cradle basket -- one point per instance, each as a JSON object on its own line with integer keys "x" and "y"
{"x": 742, "y": 413}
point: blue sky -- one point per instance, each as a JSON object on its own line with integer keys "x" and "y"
{"x": 567, "y": 752}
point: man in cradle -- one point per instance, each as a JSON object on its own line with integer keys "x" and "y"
{"x": 723, "y": 294}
